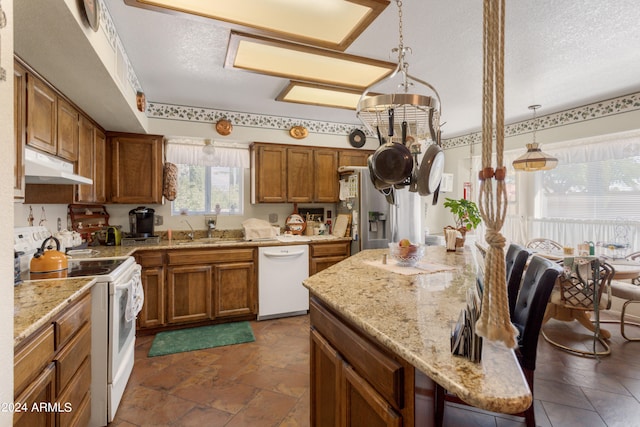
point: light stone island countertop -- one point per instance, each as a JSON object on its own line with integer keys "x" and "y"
{"x": 411, "y": 315}
{"x": 36, "y": 302}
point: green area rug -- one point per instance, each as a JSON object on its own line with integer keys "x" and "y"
{"x": 202, "y": 337}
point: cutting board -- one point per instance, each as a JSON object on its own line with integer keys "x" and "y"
{"x": 341, "y": 225}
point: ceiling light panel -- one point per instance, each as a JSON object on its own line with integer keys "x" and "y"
{"x": 326, "y": 96}
{"x": 298, "y": 62}
{"x": 332, "y": 24}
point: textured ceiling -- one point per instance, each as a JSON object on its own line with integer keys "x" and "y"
{"x": 558, "y": 54}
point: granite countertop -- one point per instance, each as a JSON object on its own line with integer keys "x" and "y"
{"x": 36, "y": 302}
{"x": 412, "y": 315}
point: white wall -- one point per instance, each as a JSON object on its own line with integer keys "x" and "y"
{"x": 6, "y": 216}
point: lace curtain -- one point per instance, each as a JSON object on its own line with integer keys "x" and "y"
{"x": 187, "y": 151}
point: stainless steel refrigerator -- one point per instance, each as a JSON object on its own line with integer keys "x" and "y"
{"x": 374, "y": 221}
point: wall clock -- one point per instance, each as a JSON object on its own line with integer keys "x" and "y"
{"x": 357, "y": 138}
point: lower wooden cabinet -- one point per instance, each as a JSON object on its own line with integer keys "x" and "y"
{"x": 52, "y": 370}
{"x": 190, "y": 286}
{"x": 324, "y": 255}
{"x": 354, "y": 381}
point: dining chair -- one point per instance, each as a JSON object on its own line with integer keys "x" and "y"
{"x": 535, "y": 289}
{"x": 635, "y": 256}
{"x": 515, "y": 263}
{"x": 546, "y": 245}
{"x": 582, "y": 290}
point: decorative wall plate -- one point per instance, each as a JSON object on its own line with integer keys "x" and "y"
{"x": 357, "y": 138}
{"x": 224, "y": 127}
{"x": 298, "y": 132}
{"x": 141, "y": 101}
{"x": 91, "y": 9}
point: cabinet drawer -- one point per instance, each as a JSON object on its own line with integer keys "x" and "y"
{"x": 75, "y": 393}
{"x": 385, "y": 374}
{"x": 31, "y": 358}
{"x": 71, "y": 357}
{"x": 72, "y": 320}
{"x": 329, "y": 249}
{"x": 40, "y": 391}
{"x": 80, "y": 416}
{"x": 150, "y": 258}
{"x": 209, "y": 256}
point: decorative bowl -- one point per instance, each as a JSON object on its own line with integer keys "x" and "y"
{"x": 407, "y": 256}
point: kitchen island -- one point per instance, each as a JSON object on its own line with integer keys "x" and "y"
{"x": 381, "y": 337}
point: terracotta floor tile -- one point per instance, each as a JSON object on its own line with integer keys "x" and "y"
{"x": 266, "y": 383}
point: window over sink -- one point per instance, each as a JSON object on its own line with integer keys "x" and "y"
{"x": 206, "y": 190}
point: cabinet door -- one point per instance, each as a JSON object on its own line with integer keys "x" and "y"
{"x": 100, "y": 177}
{"x": 189, "y": 293}
{"x": 41, "y": 115}
{"x": 326, "y": 372}
{"x": 19, "y": 127}
{"x": 300, "y": 175}
{"x": 136, "y": 168}
{"x": 67, "y": 131}
{"x": 362, "y": 405}
{"x": 86, "y": 160}
{"x": 353, "y": 158}
{"x": 40, "y": 391}
{"x": 325, "y": 171}
{"x": 153, "y": 311}
{"x": 234, "y": 289}
{"x": 270, "y": 174}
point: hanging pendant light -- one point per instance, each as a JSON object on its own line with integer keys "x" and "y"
{"x": 208, "y": 149}
{"x": 420, "y": 111}
{"x": 534, "y": 159}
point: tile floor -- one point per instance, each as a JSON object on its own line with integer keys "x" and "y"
{"x": 266, "y": 383}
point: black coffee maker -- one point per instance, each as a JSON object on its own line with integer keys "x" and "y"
{"x": 141, "y": 220}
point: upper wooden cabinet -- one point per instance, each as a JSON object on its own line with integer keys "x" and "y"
{"x": 52, "y": 122}
{"x": 19, "y": 127}
{"x": 91, "y": 163}
{"x": 298, "y": 174}
{"x": 135, "y": 168}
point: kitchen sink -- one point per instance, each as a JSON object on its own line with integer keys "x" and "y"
{"x": 208, "y": 240}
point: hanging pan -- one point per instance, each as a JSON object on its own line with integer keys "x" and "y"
{"x": 391, "y": 163}
{"x": 430, "y": 172}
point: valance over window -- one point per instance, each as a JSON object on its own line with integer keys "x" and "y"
{"x": 188, "y": 151}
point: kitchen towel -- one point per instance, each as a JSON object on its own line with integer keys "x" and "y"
{"x": 182, "y": 340}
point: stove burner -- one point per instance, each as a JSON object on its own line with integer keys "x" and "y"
{"x": 89, "y": 267}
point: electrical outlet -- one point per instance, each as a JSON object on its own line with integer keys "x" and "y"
{"x": 157, "y": 220}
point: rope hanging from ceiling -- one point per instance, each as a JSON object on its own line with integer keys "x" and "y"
{"x": 494, "y": 323}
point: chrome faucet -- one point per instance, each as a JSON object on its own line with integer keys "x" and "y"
{"x": 211, "y": 225}
{"x": 192, "y": 234}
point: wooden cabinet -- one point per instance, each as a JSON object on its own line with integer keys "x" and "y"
{"x": 190, "y": 286}
{"x": 53, "y": 367}
{"x": 268, "y": 173}
{"x": 354, "y": 382}
{"x": 66, "y": 130}
{"x": 42, "y": 115}
{"x": 19, "y": 127}
{"x": 325, "y": 183}
{"x": 324, "y": 255}
{"x": 91, "y": 163}
{"x": 300, "y": 174}
{"x": 153, "y": 278}
{"x": 353, "y": 157}
{"x": 135, "y": 168}
{"x": 297, "y": 174}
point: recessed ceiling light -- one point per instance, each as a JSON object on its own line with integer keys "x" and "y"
{"x": 315, "y": 94}
{"x": 299, "y": 62}
{"x": 333, "y": 24}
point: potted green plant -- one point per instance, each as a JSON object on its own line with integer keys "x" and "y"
{"x": 465, "y": 212}
{"x": 467, "y": 216}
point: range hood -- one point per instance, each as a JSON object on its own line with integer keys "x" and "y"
{"x": 40, "y": 168}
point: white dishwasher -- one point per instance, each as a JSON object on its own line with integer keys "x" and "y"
{"x": 281, "y": 270}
